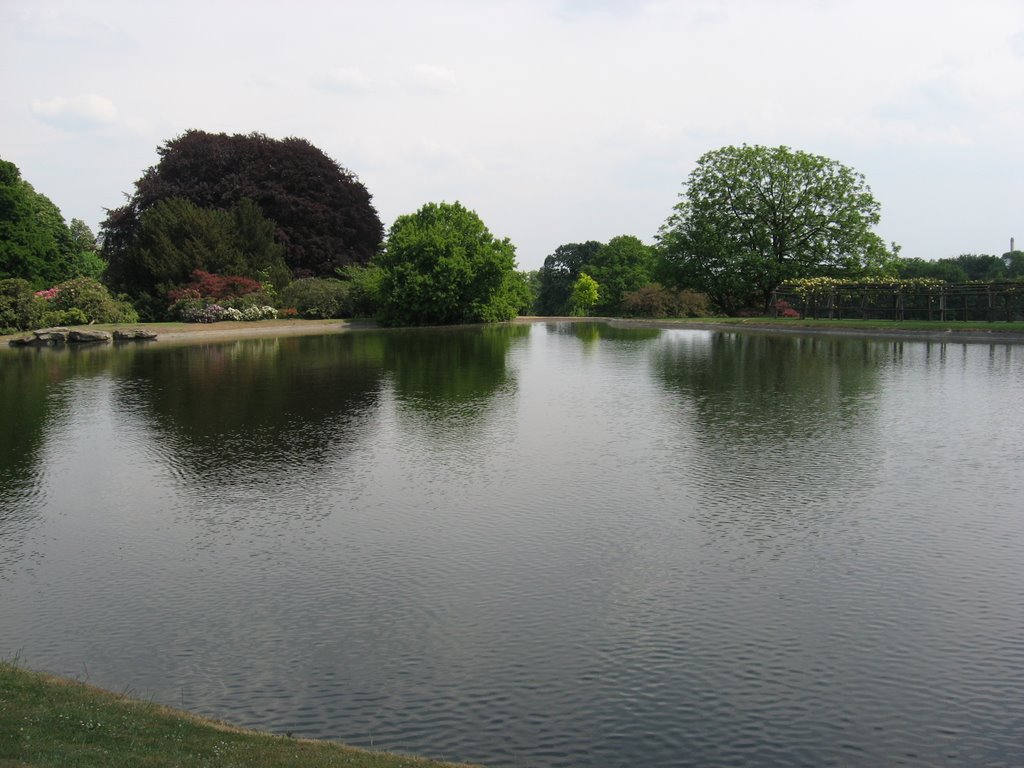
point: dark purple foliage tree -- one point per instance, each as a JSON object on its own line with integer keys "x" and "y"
{"x": 323, "y": 214}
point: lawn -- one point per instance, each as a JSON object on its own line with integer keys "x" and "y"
{"x": 49, "y": 721}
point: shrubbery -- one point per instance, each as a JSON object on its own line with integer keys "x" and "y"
{"x": 317, "y": 298}
{"x": 19, "y": 308}
{"x": 206, "y": 285}
{"x": 654, "y": 300}
{"x": 92, "y": 300}
{"x": 200, "y": 311}
{"x": 364, "y": 283}
{"x": 208, "y": 298}
{"x": 74, "y": 302}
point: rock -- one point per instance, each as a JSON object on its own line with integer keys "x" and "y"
{"x": 133, "y": 334}
{"x": 23, "y": 341}
{"x": 44, "y": 337}
{"x": 87, "y": 337}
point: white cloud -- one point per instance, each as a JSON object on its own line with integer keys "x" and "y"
{"x": 432, "y": 78}
{"x": 347, "y": 79}
{"x": 1017, "y": 44}
{"x": 84, "y": 112}
{"x": 54, "y": 25}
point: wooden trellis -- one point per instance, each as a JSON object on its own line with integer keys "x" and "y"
{"x": 894, "y": 301}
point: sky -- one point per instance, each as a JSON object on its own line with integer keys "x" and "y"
{"x": 557, "y": 121}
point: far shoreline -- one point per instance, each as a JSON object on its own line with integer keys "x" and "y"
{"x": 225, "y": 331}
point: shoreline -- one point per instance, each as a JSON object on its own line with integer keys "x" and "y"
{"x": 184, "y": 333}
{"x": 761, "y": 327}
{"x": 52, "y": 718}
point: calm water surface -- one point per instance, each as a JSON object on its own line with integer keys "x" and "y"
{"x": 546, "y": 545}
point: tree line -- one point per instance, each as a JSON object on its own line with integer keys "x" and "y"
{"x": 225, "y": 223}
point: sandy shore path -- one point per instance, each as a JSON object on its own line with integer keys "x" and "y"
{"x": 185, "y": 333}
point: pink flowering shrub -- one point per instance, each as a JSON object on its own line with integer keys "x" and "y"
{"x": 784, "y": 309}
{"x": 49, "y": 294}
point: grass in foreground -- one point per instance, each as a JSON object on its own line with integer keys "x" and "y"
{"x": 49, "y": 721}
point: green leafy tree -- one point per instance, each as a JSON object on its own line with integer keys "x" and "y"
{"x": 1014, "y": 261}
{"x": 585, "y": 294}
{"x": 981, "y": 266}
{"x": 85, "y": 255}
{"x": 752, "y": 217}
{"x": 943, "y": 269}
{"x": 442, "y": 266}
{"x": 621, "y": 265}
{"x": 527, "y": 289}
{"x": 35, "y": 243}
{"x": 560, "y": 271}
{"x": 322, "y": 214}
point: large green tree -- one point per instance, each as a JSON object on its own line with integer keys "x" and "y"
{"x": 323, "y": 214}
{"x": 752, "y": 217}
{"x": 35, "y": 243}
{"x": 560, "y": 272}
{"x": 620, "y": 266}
{"x": 442, "y": 266}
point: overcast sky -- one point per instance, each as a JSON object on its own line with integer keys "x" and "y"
{"x": 556, "y": 120}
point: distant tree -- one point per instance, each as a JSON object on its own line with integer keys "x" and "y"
{"x": 528, "y": 290}
{"x": 85, "y": 256}
{"x": 175, "y": 238}
{"x": 81, "y": 236}
{"x": 322, "y": 214}
{"x": 1014, "y": 261}
{"x": 442, "y": 266}
{"x": 621, "y": 265}
{"x": 585, "y": 294}
{"x": 560, "y": 271}
{"x": 752, "y": 217}
{"x": 943, "y": 269}
{"x": 981, "y": 266}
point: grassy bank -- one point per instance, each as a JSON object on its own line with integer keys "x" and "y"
{"x": 908, "y": 328}
{"x": 49, "y": 721}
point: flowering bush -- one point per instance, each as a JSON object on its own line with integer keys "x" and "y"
{"x": 212, "y": 286}
{"x": 49, "y": 294}
{"x": 784, "y": 309}
{"x": 259, "y": 313}
{"x": 86, "y": 300}
{"x": 199, "y": 311}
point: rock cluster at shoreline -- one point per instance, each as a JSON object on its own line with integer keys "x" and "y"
{"x": 55, "y": 337}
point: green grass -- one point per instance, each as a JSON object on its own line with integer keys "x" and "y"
{"x": 49, "y": 721}
{"x": 933, "y": 326}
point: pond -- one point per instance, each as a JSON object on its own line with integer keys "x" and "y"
{"x": 533, "y": 545}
